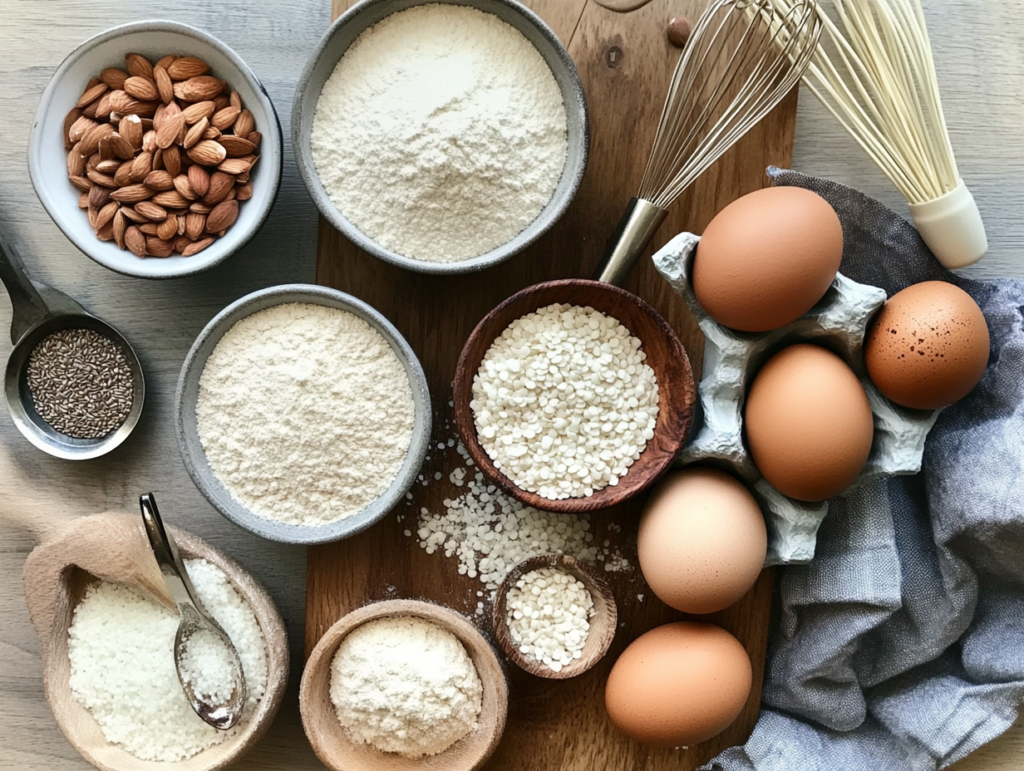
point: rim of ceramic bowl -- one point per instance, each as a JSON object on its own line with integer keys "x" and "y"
{"x": 574, "y": 99}
{"x": 273, "y": 138}
{"x": 190, "y": 445}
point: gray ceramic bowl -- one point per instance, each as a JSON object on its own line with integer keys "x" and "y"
{"x": 364, "y": 15}
{"x": 192, "y": 449}
{"x": 47, "y": 159}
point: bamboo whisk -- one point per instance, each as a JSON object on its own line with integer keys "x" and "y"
{"x": 875, "y": 73}
{"x": 742, "y": 58}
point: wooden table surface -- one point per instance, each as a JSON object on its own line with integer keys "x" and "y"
{"x": 977, "y": 50}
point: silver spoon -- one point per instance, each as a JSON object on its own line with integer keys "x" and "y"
{"x": 39, "y": 311}
{"x": 194, "y": 619}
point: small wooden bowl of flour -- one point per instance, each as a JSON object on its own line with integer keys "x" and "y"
{"x": 334, "y": 744}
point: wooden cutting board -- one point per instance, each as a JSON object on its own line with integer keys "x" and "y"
{"x": 625, "y": 63}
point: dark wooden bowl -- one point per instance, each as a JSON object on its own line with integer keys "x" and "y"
{"x": 677, "y": 391}
{"x": 602, "y": 623}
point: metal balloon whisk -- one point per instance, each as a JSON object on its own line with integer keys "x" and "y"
{"x": 742, "y": 58}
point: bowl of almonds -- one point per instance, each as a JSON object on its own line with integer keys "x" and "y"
{"x": 156, "y": 150}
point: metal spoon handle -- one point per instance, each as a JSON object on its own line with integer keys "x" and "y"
{"x": 29, "y": 306}
{"x": 168, "y": 557}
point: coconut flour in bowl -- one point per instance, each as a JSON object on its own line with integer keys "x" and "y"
{"x": 305, "y": 413}
{"x": 441, "y": 134}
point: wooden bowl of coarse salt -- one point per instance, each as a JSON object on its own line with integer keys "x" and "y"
{"x": 94, "y": 563}
{"x": 534, "y": 431}
{"x": 536, "y": 598}
{"x": 383, "y": 648}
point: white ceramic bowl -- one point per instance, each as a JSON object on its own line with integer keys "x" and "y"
{"x": 47, "y": 160}
{"x": 344, "y": 32}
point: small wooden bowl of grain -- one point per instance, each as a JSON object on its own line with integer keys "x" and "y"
{"x": 665, "y": 354}
{"x": 332, "y": 742}
{"x": 603, "y": 620}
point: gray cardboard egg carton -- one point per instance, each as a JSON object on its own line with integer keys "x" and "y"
{"x": 731, "y": 359}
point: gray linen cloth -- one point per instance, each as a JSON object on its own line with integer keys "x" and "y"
{"x": 901, "y": 646}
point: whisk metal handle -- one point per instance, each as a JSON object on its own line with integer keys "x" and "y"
{"x": 638, "y": 226}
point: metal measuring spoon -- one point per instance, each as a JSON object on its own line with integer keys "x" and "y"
{"x": 194, "y": 619}
{"x": 39, "y": 311}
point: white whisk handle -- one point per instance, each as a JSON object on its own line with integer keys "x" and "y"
{"x": 636, "y": 229}
{"x": 952, "y": 227}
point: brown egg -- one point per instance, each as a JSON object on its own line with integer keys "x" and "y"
{"x": 928, "y": 347}
{"x": 808, "y": 422}
{"x": 767, "y": 258}
{"x": 702, "y": 540}
{"x": 679, "y": 685}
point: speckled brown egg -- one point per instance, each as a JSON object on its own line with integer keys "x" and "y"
{"x": 928, "y": 347}
{"x": 767, "y": 258}
{"x": 808, "y": 423}
{"x": 679, "y": 685}
{"x": 702, "y": 540}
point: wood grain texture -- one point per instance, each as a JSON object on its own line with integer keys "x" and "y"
{"x": 977, "y": 50}
{"x": 604, "y": 621}
{"x": 677, "y": 390}
{"x": 625, "y": 63}
{"x": 337, "y": 750}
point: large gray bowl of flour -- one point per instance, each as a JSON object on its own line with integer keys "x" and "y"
{"x": 191, "y": 446}
{"x": 329, "y": 52}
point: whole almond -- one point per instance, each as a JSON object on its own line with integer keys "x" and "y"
{"x": 195, "y": 133}
{"x": 195, "y": 224}
{"x": 142, "y": 109}
{"x": 114, "y": 78}
{"x": 196, "y": 112}
{"x": 120, "y": 225}
{"x": 92, "y": 213}
{"x": 133, "y": 215}
{"x": 172, "y": 160}
{"x": 157, "y": 247}
{"x": 79, "y": 128}
{"x": 200, "y": 208}
{"x": 123, "y": 175}
{"x": 151, "y": 211}
{"x": 138, "y": 66}
{"x": 91, "y": 139}
{"x": 222, "y": 217}
{"x": 167, "y": 134}
{"x": 69, "y": 120}
{"x": 130, "y": 127}
{"x": 224, "y": 119}
{"x": 187, "y": 67}
{"x": 244, "y": 192}
{"x": 121, "y": 147}
{"x": 164, "y": 87}
{"x": 244, "y": 124}
{"x": 135, "y": 241}
{"x": 235, "y": 165}
{"x": 141, "y": 166}
{"x": 196, "y": 247}
{"x": 119, "y": 99}
{"x": 106, "y": 233}
{"x": 166, "y": 62}
{"x": 83, "y": 200}
{"x": 199, "y": 89}
{"x": 236, "y": 147}
{"x": 132, "y": 194}
{"x": 109, "y": 166}
{"x": 76, "y": 163}
{"x": 106, "y": 214}
{"x": 149, "y": 141}
{"x": 149, "y": 228}
{"x": 255, "y": 137}
{"x": 103, "y": 106}
{"x": 220, "y": 185}
{"x": 171, "y": 199}
{"x": 159, "y": 180}
{"x": 220, "y": 102}
{"x": 207, "y": 152}
{"x": 168, "y": 229}
{"x": 199, "y": 178}
{"x": 99, "y": 196}
{"x": 212, "y": 132}
{"x": 101, "y": 179}
{"x": 235, "y": 100}
{"x": 92, "y": 94}
{"x": 143, "y": 89}
{"x": 91, "y": 110}
{"x": 184, "y": 187}
{"x": 82, "y": 183}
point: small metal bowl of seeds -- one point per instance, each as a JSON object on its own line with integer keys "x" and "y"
{"x": 156, "y": 150}
{"x": 303, "y": 414}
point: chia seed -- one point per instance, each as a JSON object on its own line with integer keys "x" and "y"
{"x": 81, "y": 383}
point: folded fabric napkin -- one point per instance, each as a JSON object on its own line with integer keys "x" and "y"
{"x": 901, "y": 646}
